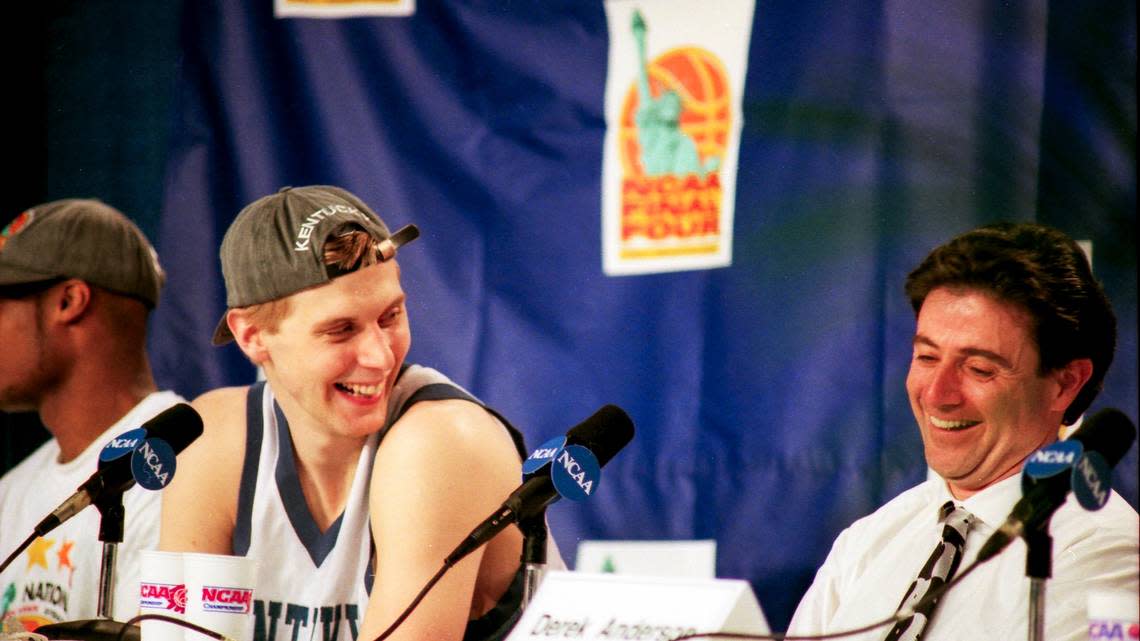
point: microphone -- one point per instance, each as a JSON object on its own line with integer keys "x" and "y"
{"x": 1082, "y": 464}
{"x": 557, "y": 468}
{"x": 145, "y": 454}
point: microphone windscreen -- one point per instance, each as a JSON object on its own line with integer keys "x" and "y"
{"x": 178, "y": 425}
{"x": 604, "y": 433}
{"x": 1109, "y": 432}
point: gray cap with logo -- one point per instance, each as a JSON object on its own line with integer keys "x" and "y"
{"x": 84, "y": 239}
{"x": 275, "y": 246}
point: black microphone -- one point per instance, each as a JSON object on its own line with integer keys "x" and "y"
{"x": 1052, "y": 472}
{"x": 604, "y": 433}
{"x": 178, "y": 426}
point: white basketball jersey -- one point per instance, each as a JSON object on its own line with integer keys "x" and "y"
{"x": 310, "y": 585}
{"x": 313, "y": 586}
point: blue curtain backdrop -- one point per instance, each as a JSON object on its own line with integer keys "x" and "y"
{"x": 768, "y": 396}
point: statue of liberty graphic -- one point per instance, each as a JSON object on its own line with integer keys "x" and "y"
{"x": 665, "y": 148}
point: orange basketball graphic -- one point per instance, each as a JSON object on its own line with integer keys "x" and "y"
{"x": 700, "y": 80}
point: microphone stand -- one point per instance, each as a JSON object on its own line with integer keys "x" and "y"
{"x": 533, "y": 553}
{"x": 111, "y": 534}
{"x": 103, "y": 628}
{"x": 1038, "y": 567}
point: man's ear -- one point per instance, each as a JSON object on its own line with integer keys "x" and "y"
{"x": 72, "y": 300}
{"x": 248, "y": 335}
{"x": 1070, "y": 379}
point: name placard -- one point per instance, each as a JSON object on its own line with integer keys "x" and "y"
{"x": 613, "y": 607}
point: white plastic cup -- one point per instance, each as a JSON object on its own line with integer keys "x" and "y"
{"x": 219, "y": 595}
{"x": 162, "y": 590}
{"x": 1113, "y": 615}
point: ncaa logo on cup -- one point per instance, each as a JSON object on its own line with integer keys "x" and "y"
{"x": 228, "y": 600}
{"x": 162, "y": 596}
{"x": 1119, "y": 630}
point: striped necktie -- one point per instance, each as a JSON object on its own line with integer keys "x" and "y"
{"x": 939, "y": 569}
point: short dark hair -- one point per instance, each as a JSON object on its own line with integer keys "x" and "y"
{"x": 1043, "y": 271}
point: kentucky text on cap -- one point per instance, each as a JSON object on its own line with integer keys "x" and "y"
{"x": 275, "y": 246}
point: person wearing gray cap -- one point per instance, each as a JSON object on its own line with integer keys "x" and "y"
{"x": 348, "y": 474}
{"x": 77, "y": 283}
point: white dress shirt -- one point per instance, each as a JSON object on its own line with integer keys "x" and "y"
{"x": 873, "y": 562}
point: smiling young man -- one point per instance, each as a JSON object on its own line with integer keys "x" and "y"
{"x": 1012, "y": 341}
{"x": 349, "y": 474}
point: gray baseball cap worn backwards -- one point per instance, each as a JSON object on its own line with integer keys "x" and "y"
{"x": 275, "y": 246}
{"x": 84, "y": 239}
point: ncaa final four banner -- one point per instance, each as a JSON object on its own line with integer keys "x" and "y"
{"x": 673, "y": 122}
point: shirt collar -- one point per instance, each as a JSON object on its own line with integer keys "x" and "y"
{"x": 992, "y": 505}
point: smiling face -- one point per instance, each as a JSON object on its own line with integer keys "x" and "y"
{"x": 334, "y": 357}
{"x": 974, "y": 387}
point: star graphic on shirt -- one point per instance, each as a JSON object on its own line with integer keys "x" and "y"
{"x": 64, "y": 554}
{"x": 37, "y": 552}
